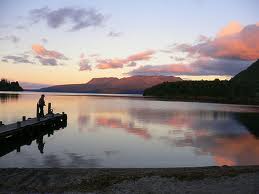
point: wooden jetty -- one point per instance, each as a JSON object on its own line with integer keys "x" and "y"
{"x": 31, "y": 124}
{"x": 18, "y": 140}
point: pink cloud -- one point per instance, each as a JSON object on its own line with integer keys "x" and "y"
{"x": 130, "y": 60}
{"x": 146, "y": 55}
{"x": 168, "y": 69}
{"x": 230, "y": 29}
{"x": 231, "y": 43}
{"x": 43, "y": 52}
{"x": 110, "y": 64}
{"x": 229, "y": 52}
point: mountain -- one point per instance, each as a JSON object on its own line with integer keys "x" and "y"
{"x": 127, "y": 85}
{"x": 251, "y": 74}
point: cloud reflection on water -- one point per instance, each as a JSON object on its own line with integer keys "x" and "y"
{"x": 128, "y": 127}
{"x": 133, "y": 132}
{"x": 220, "y": 134}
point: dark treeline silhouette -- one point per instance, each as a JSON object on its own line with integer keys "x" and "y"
{"x": 243, "y": 88}
{"x": 215, "y": 91}
{"x": 6, "y": 85}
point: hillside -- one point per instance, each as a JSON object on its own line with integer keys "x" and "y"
{"x": 251, "y": 74}
{"x": 127, "y": 85}
{"x": 243, "y": 88}
{"x": 6, "y": 85}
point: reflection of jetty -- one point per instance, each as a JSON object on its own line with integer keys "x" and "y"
{"x": 30, "y": 125}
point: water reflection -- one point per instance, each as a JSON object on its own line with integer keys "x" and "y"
{"x": 6, "y": 97}
{"x": 129, "y": 132}
{"x": 40, "y": 143}
{"x": 82, "y": 121}
{"x": 218, "y": 137}
{"x": 226, "y": 150}
{"x": 250, "y": 121}
{"x": 231, "y": 138}
{"x": 129, "y": 127}
{"x": 74, "y": 161}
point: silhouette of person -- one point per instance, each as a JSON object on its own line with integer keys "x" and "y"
{"x": 41, "y": 104}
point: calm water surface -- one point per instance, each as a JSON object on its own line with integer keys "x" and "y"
{"x": 119, "y": 131}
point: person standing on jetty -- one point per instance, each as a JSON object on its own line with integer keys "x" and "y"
{"x": 41, "y": 104}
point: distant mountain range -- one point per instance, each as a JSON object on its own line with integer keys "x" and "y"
{"x": 112, "y": 85}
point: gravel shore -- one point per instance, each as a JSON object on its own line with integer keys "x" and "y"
{"x": 124, "y": 181}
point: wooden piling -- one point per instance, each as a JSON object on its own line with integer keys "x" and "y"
{"x": 18, "y": 124}
{"x": 38, "y": 111}
{"x": 49, "y": 108}
{"x": 23, "y": 118}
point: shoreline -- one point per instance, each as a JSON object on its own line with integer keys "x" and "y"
{"x": 139, "y": 96}
{"x": 205, "y": 100}
{"x": 104, "y": 180}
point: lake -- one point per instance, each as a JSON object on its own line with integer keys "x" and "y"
{"x": 131, "y": 131}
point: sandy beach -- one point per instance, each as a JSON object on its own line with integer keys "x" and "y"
{"x": 169, "y": 180}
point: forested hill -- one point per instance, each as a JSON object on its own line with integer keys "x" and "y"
{"x": 251, "y": 74}
{"x": 6, "y": 85}
{"x": 243, "y": 88}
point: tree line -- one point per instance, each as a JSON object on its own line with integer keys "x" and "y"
{"x": 219, "y": 91}
{"x": 6, "y": 85}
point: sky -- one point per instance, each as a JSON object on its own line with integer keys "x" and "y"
{"x": 49, "y": 42}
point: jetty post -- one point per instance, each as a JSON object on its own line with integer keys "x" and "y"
{"x": 50, "y": 111}
{"x": 23, "y": 118}
{"x": 1, "y": 123}
{"x": 19, "y": 124}
{"x": 38, "y": 112}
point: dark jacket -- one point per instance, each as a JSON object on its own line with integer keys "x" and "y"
{"x": 41, "y": 102}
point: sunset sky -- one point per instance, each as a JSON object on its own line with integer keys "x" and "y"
{"x": 53, "y": 42}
